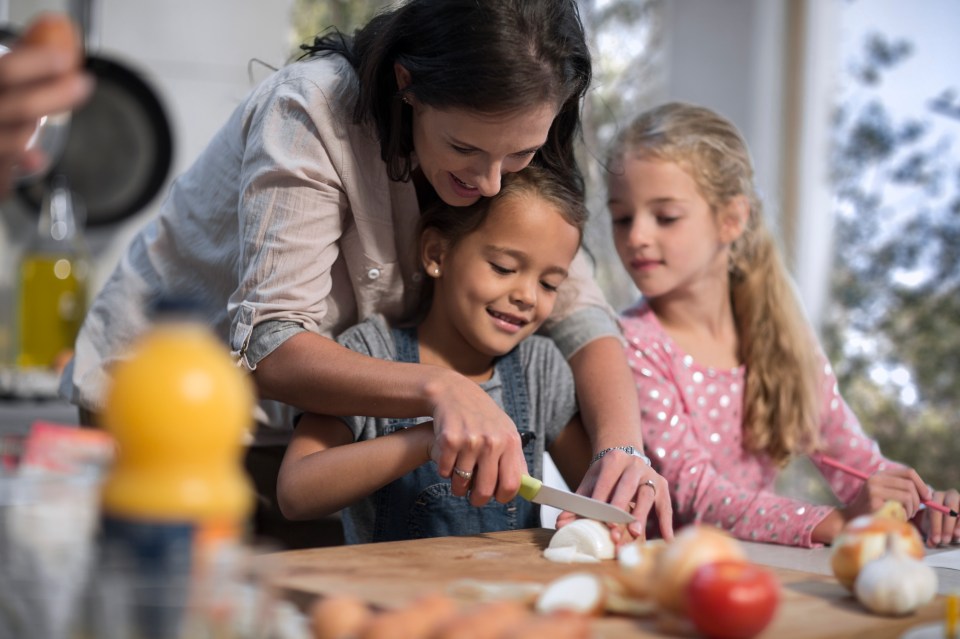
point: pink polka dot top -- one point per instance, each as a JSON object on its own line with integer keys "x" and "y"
{"x": 691, "y": 419}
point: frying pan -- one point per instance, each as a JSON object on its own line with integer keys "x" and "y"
{"x": 119, "y": 149}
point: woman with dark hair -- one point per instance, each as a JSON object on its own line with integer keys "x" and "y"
{"x": 300, "y": 218}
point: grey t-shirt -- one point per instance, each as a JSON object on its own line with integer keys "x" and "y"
{"x": 550, "y": 390}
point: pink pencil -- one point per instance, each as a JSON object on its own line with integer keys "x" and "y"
{"x": 853, "y": 472}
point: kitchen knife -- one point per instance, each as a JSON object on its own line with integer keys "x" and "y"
{"x": 532, "y": 489}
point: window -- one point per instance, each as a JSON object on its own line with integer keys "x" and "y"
{"x": 892, "y": 326}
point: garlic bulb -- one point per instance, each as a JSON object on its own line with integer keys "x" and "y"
{"x": 895, "y": 583}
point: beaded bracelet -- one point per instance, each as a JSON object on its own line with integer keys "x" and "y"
{"x": 630, "y": 450}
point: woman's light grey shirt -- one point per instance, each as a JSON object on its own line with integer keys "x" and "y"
{"x": 287, "y": 222}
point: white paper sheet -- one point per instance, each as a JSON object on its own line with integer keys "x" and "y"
{"x": 943, "y": 559}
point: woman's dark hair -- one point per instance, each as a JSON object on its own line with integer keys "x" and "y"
{"x": 456, "y": 222}
{"x": 488, "y": 56}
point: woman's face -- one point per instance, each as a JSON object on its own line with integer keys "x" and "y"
{"x": 463, "y": 153}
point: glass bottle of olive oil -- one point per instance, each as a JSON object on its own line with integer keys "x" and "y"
{"x": 53, "y": 282}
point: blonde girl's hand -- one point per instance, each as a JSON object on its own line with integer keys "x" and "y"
{"x": 476, "y": 443}
{"x": 626, "y": 481}
{"x": 941, "y": 528}
{"x": 898, "y": 484}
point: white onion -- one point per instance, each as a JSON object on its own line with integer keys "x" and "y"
{"x": 587, "y": 536}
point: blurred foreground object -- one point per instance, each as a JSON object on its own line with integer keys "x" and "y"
{"x": 177, "y": 500}
{"x": 49, "y": 507}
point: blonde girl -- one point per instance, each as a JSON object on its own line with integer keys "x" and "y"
{"x": 731, "y": 379}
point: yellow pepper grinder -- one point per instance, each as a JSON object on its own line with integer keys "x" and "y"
{"x": 177, "y": 500}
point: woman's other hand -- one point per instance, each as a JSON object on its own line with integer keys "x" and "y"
{"x": 626, "y": 481}
{"x": 477, "y": 445}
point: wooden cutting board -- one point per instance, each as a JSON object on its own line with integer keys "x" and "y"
{"x": 392, "y": 574}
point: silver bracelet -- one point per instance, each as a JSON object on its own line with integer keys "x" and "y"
{"x": 630, "y": 450}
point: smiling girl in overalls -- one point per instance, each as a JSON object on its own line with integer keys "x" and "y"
{"x": 491, "y": 275}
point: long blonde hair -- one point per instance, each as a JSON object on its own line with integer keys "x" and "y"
{"x": 780, "y": 399}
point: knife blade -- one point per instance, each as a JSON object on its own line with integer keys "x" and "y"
{"x": 532, "y": 489}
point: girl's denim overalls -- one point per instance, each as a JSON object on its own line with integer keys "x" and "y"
{"x": 420, "y": 503}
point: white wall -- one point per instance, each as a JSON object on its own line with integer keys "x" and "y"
{"x": 735, "y": 57}
{"x": 728, "y": 56}
{"x": 195, "y": 55}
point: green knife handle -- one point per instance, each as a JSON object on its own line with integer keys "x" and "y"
{"x": 529, "y": 487}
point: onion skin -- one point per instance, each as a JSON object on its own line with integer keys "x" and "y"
{"x": 864, "y": 539}
{"x": 638, "y": 562}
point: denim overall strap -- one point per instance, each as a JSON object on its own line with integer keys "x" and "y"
{"x": 516, "y": 399}
{"x": 420, "y": 504}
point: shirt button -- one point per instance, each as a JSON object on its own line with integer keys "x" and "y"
{"x": 373, "y": 273}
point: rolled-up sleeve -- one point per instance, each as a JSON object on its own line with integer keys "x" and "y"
{"x": 291, "y": 216}
{"x": 266, "y": 337}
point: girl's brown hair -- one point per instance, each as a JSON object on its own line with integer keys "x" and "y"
{"x": 780, "y": 400}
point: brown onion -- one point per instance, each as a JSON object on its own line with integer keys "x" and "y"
{"x": 692, "y": 547}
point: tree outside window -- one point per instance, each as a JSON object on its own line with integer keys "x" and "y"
{"x": 893, "y": 327}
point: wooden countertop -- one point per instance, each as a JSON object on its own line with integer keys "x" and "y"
{"x": 392, "y": 574}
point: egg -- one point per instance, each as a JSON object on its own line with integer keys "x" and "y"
{"x": 557, "y": 625}
{"x": 484, "y": 621}
{"x": 53, "y": 30}
{"x": 420, "y": 619}
{"x": 339, "y": 616}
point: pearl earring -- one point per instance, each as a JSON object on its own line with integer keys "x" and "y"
{"x": 436, "y": 271}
